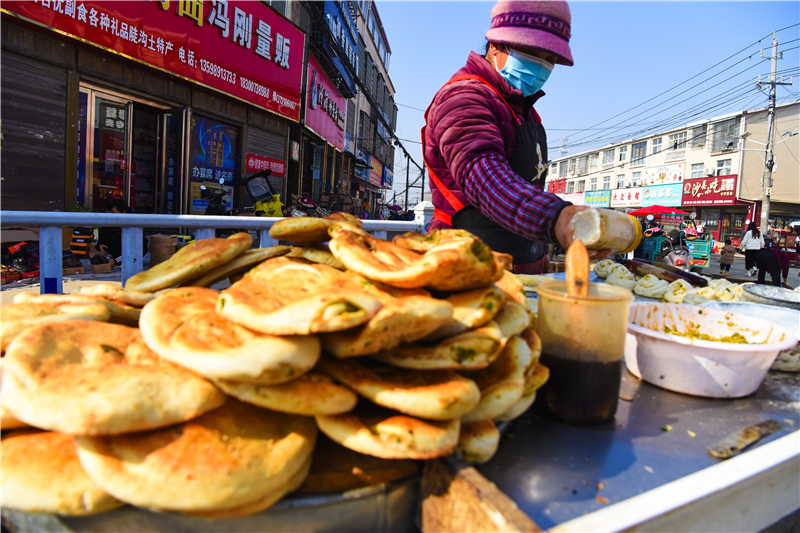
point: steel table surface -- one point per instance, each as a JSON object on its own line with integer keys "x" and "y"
{"x": 552, "y": 469}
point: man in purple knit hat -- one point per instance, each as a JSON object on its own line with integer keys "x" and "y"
{"x": 484, "y": 143}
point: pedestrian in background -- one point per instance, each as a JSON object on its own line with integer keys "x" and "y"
{"x": 774, "y": 261}
{"x": 726, "y": 256}
{"x": 752, "y": 242}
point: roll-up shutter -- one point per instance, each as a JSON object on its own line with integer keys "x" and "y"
{"x": 267, "y": 145}
{"x": 33, "y": 106}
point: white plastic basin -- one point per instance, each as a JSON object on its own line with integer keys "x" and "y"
{"x": 701, "y": 367}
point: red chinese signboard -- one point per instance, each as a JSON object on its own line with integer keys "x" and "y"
{"x": 241, "y": 48}
{"x": 326, "y": 109}
{"x": 717, "y": 190}
{"x": 557, "y": 186}
{"x": 257, "y": 163}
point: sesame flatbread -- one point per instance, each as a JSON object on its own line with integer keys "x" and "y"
{"x": 182, "y": 326}
{"x": 478, "y": 441}
{"x": 190, "y": 262}
{"x": 455, "y": 265}
{"x": 309, "y": 395}
{"x": 389, "y": 434}
{"x": 471, "y": 309}
{"x": 42, "y": 474}
{"x": 284, "y": 297}
{"x": 94, "y": 378}
{"x": 227, "y": 458}
{"x": 242, "y": 263}
{"x": 120, "y": 313}
{"x": 434, "y": 394}
{"x": 316, "y": 253}
{"x": 15, "y": 318}
{"x": 116, "y": 293}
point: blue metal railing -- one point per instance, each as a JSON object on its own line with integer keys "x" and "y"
{"x": 50, "y": 224}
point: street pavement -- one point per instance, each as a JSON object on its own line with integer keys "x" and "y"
{"x": 738, "y": 270}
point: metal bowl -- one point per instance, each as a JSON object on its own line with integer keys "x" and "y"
{"x": 771, "y": 295}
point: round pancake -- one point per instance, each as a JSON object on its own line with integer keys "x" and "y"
{"x": 471, "y": 309}
{"x": 455, "y": 265}
{"x": 8, "y": 421}
{"x": 390, "y": 435}
{"x": 421, "y": 243}
{"x": 471, "y": 350}
{"x": 120, "y": 313}
{"x": 41, "y": 474}
{"x": 400, "y": 320}
{"x": 316, "y": 254}
{"x": 478, "y": 441}
{"x": 285, "y": 297}
{"x": 302, "y": 230}
{"x": 502, "y": 384}
{"x": 433, "y": 394}
{"x": 311, "y": 394}
{"x": 512, "y": 319}
{"x": 190, "y": 262}
{"x": 346, "y": 217}
{"x": 513, "y": 287}
{"x": 117, "y": 293}
{"x": 536, "y": 379}
{"x": 94, "y": 378}
{"x": 182, "y": 326}
{"x": 227, "y": 458}
{"x": 518, "y": 409}
{"x": 247, "y": 260}
{"x": 15, "y": 318}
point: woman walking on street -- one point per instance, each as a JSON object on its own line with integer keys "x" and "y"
{"x": 752, "y": 242}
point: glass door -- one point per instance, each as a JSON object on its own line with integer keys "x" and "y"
{"x": 144, "y": 160}
{"x": 108, "y": 157}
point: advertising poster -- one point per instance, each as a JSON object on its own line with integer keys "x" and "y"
{"x": 376, "y": 173}
{"x": 326, "y": 110}
{"x": 257, "y": 163}
{"x": 244, "y": 49}
{"x": 388, "y": 178}
{"x": 663, "y": 175}
{"x": 626, "y": 197}
{"x": 598, "y": 198}
{"x": 668, "y": 195}
{"x": 576, "y": 198}
{"x": 214, "y": 150}
{"x": 717, "y": 190}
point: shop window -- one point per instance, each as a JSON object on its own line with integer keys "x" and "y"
{"x": 723, "y": 167}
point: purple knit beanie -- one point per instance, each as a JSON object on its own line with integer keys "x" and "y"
{"x": 543, "y": 25}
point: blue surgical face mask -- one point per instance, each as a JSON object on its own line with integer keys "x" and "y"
{"x": 525, "y": 72}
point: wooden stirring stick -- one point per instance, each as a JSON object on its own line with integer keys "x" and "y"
{"x": 577, "y": 266}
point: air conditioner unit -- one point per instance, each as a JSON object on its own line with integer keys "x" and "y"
{"x": 710, "y": 172}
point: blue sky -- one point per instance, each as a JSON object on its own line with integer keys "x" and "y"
{"x": 626, "y": 54}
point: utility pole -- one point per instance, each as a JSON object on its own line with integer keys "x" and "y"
{"x": 769, "y": 158}
{"x": 408, "y": 165}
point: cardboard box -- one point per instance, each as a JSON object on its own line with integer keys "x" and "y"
{"x": 170, "y": 249}
{"x": 163, "y": 240}
{"x": 105, "y": 268}
{"x": 73, "y": 271}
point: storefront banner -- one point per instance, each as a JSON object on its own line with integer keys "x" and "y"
{"x": 626, "y": 197}
{"x": 325, "y": 109}
{"x": 344, "y": 30}
{"x": 388, "y": 178}
{"x": 213, "y": 150}
{"x": 576, "y": 198}
{"x": 348, "y": 143}
{"x": 257, "y": 163}
{"x": 376, "y": 174}
{"x": 598, "y": 198}
{"x": 663, "y": 175}
{"x": 241, "y": 48}
{"x": 670, "y": 220}
{"x": 717, "y": 190}
{"x": 668, "y": 195}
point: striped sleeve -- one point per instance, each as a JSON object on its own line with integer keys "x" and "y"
{"x": 490, "y": 185}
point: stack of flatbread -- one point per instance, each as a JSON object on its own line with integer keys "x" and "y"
{"x": 395, "y": 351}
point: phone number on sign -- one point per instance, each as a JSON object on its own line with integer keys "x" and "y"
{"x": 217, "y": 71}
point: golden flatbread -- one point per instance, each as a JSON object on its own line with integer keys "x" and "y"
{"x": 116, "y": 293}
{"x": 309, "y": 395}
{"x": 182, "y": 326}
{"x": 15, "y": 318}
{"x": 242, "y": 263}
{"x": 421, "y": 243}
{"x": 455, "y": 265}
{"x": 400, "y": 320}
{"x": 191, "y": 261}
{"x": 120, "y": 313}
{"x": 478, "y": 441}
{"x": 309, "y": 230}
{"x": 346, "y": 217}
{"x": 512, "y": 319}
{"x": 227, "y": 458}
{"x": 471, "y": 309}
{"x": 434, "y": 394}
{"x": 284, "y": 297}
{"x": 391, "y": 435}
{"x": 316, "y": 253}
{"x": 41, "y": 474}
{"x": 511, "y": 285}
{"x": 94, "y": 378}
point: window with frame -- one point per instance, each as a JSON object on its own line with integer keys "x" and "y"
{"x": 724, "y": 167}
{"x": 593, "y": 160}
{"x": 639, "y": 153}
{"x": 697, "y": 170}
{"x": 562, "y": 169}
{"x": 623, "y": 153}
{"x": 725, "y": 136}
{"x": 570, "y": 187}
{"x": 581, "y": 186}
{"x": 636, "y": 178}
{"x": 677, "y": 141}
{"x": 606, "y": 182}
{"x": 571, "y": 166}
{"x": 620, "y": 181}
{"x": 608, "y": 157}
{"x": 593, "y": 184}
{"x": 697, "y": 136}
{"x": 582, "y": 164}
{"x": 657, "y": 145}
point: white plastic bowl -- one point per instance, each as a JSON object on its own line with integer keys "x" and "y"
{"x": 699, "y": 367}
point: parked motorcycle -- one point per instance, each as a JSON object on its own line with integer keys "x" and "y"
{"x": 216, "y": 199}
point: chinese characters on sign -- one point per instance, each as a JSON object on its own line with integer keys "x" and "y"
{"x": 214, "y": 152}
{"x": 257, "y": 163}
{"x": 557, "y": 186}
{"x": 667, "y": 195}
{"x": 717, "y": 190}
{"x": 626, "y": 197}
{"x": 598, "y": 198}
{"x": 241, "y": 48}
{"x": 326, "y": 109}
{"x": 376, "y": 172}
